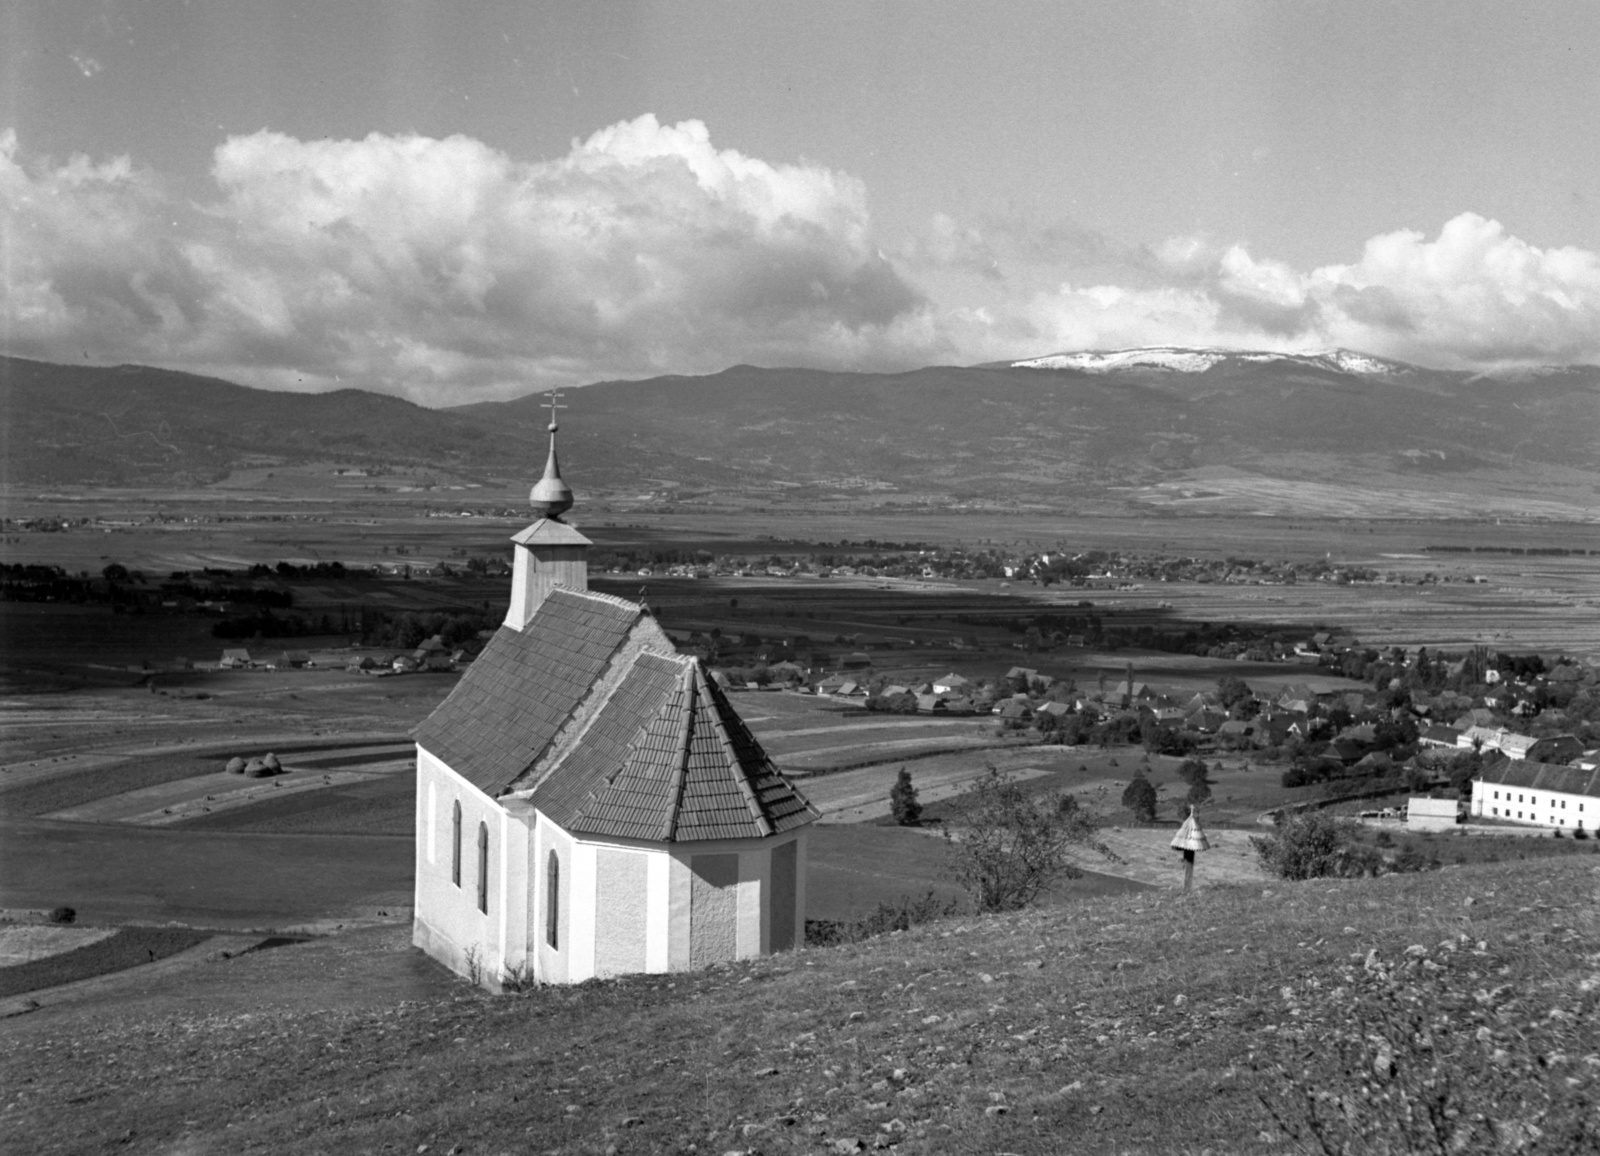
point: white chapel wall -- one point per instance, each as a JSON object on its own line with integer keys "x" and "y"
{"x": 447, "y": 923}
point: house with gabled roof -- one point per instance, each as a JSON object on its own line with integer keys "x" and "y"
{"x": 588, "y": 801}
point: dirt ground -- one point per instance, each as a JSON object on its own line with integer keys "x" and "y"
{"x": 1146, "y": 855}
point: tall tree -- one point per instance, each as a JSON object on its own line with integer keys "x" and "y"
{"x": 903, "y": 802}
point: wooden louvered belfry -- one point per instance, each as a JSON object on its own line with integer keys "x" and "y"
{"x": 1189, "y": 839}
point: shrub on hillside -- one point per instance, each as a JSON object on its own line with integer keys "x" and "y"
{"x": 235, "y": 766}
{"x": 1315, "y": 845}
{"x": 1011, "y": 846}
{"x": 885, "y": 918}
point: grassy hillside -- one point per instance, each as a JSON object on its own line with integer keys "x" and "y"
{"x": 1153, "y": 1023}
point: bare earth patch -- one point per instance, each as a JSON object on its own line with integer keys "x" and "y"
{"x": 29, "y": 942}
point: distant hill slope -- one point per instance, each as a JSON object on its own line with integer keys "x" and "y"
{"x": 995, "y": 433}
{"x": 131, "y": 424}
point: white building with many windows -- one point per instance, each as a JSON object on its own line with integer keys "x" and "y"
{"x": 1541, "y": 794}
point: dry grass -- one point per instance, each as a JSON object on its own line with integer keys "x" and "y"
{"x": 1154, "y": 1023}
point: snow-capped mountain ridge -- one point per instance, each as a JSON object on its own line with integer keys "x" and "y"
{"x": 1181, "y": 359}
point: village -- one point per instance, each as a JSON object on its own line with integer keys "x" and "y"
{"x": 1466, "y": 727}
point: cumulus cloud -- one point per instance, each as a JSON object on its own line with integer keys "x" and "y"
{"x": 1473, "y": 297}
{"x": 442, "y": 268}
{"x": 446, "y": 270}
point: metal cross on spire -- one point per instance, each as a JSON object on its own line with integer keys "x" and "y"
{"x": 551, "y": 497}
{"x": 553, "y": 399}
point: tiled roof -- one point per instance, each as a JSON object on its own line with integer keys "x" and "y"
{"x": 514, "y": 698}
{"x": 1531, "y": 775}
{"x": 669, "y": 760}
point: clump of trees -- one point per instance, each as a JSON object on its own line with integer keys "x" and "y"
{"x": 1011, "y": 846}
{"x": 1140, "y": 798}
{"x": 1195, "y": 773}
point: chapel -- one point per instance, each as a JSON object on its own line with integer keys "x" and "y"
{"x": 589, "y": 803}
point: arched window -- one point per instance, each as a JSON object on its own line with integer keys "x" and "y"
{"x": 455, "y": 843}
{"x": 483, "y": 868}
{"x": 552, "y": 903}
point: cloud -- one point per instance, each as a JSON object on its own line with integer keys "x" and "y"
{"x": 446, "y": 270}
{"x": 443, "y": 269}
{"x": 1473, "y": 297}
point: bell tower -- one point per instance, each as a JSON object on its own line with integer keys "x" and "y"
{"x": 549, "y": 553}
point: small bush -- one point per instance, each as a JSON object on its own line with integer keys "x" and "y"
{"x": 1315, "y": 845}
{"x": 235, "y": 766}
{"x": 1010, "y": 846}
{"x": 1580, "y": 833}
{"x": 519, "y": 979}
{"x": 1411, "y": 860}
{"x": 1384, "y": 839}
{"x": 63, "y": 915}
{"x": 270, "y": 761}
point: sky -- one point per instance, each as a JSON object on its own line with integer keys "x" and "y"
{"x": 455, "y": 203}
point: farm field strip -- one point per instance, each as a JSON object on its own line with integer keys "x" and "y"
{"x": 824, "y": 741}
{"x": 853, "y": 728}
{"x": 32, "y": 770}
{"x": 824, "y": 757}
{"x": 26, "y": 942}
{"x": 173, "y": 802}
{"x": 862, "y": 795}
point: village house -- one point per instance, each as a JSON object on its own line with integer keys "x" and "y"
{"x": 1440, "y": 735}
{"x": 235, "y": 658}
{"x": 950, "y": 683}
{"x": 1429, "y": 814}
{"x": 1550, "y": 749}
{"x": 588, "y": 801}
{"x": 1481, "y": 738}
{"x": 1542, "y": 794}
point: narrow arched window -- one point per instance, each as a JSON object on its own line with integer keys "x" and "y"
{"x": 483, "y": 868}
{"x": 552, "y": 903}
{"x": 455, "y": 843}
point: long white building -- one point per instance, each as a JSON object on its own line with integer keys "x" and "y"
{"x": 1539, "y": 794}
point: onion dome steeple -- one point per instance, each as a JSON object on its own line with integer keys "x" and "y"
{"x": 551, "y": 497}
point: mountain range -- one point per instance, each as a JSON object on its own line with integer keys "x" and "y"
{"x": 1185, "y": 430}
